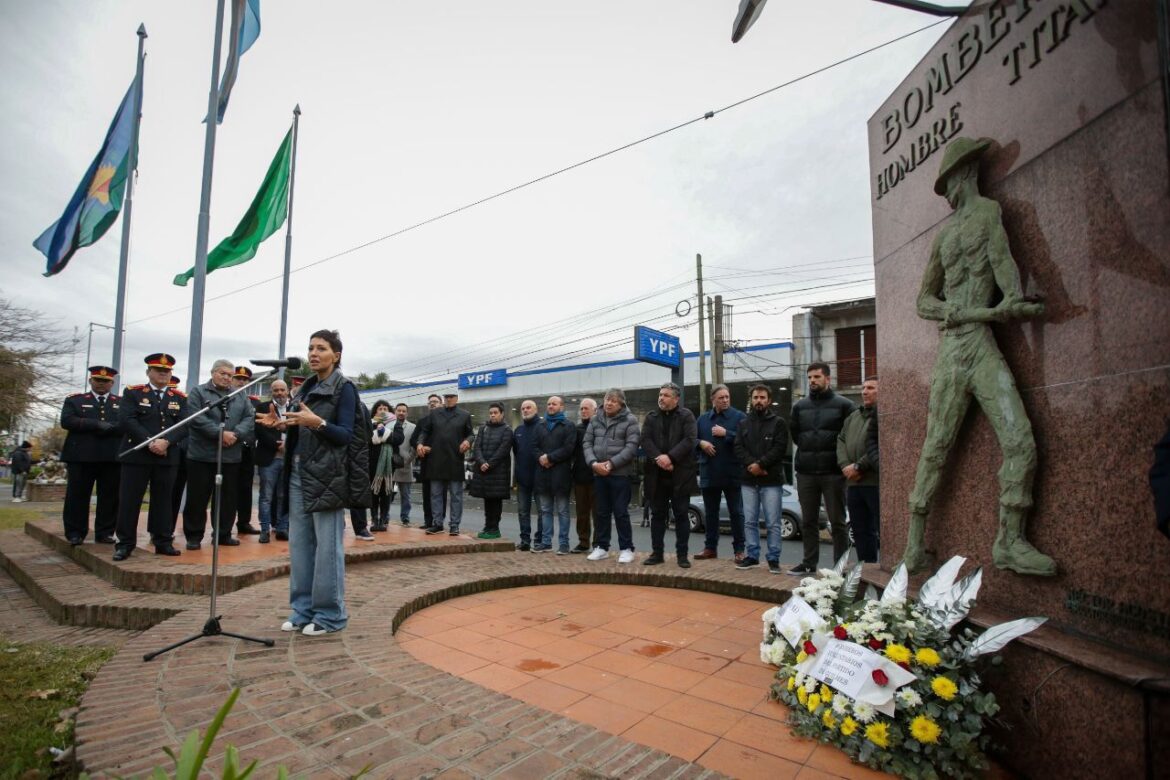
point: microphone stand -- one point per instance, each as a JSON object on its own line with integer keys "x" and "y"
{"x": 212, "y": 626}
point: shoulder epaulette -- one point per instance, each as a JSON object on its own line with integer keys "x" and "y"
{"x": 254, "y": 397}
{"x": 178, "y": 392}
{"x": 74, "y": 395}
{"x": 136, "y": 387}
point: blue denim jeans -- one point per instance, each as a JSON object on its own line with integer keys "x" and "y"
{"x": 524, "y": 501}
{"x": 549, "y": 501}
{"x": 270, "y": 496}
{"x": 766, "y": 499}
{"x": 734, "y": 497}
{"x": 316, "y": 579}
{"x": 404, "y": 497}
{"x": 440, "y": 488}
{"x": 613, "y": 503}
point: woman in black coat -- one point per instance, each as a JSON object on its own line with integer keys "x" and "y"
{"x": 492, "y": 475}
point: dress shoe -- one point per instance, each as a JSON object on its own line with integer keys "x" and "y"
{"x": 683, "y": 563}
{"x": 193, "y": 545}
{"x": 706, "y": 555}
{"x": 121, "y": 553}
{"x": 282, "y": 536}
{"x": 168, "y": 549}
{"x": 104, "y": 540}
{"x": 248, "y": 530}
{"x": 229, "y": 542}
{"x": 75, "y": 540}
{"x": 264, "y": 538}
{"x": 653, "y": 559}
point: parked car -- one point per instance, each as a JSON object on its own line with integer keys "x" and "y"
{"x": 790, "y": 516}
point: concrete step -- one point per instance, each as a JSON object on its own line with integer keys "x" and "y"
{"x": 72, "y": 595}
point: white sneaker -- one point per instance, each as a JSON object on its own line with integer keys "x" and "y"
{"x": 627, "y": 556}
{"x": 314, "y": 630}
{"x": 598, "y": 554}
{"x": 288, "y": 625}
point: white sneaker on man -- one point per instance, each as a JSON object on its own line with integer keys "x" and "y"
{"x": 627, "y": 556}
{"x": 288, "y": 625}
{"x": 314, "y": 630}
{"x": 598, "y": 554}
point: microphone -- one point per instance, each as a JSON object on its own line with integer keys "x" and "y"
{"x": 288, "y": 362}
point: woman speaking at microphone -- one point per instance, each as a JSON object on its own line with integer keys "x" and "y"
{"x": 325, "y": 474}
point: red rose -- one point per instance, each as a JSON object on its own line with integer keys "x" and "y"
{"x": 809, "y": 647}
{"x": 876, "y": 644}
{"x": 880, "y": 677}
{"x": 840, "y": 632}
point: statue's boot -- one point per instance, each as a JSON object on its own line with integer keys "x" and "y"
{"x": 915, "y": 555}
{"x": 1013, "y": 552}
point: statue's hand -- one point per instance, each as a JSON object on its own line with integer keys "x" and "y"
{"x": 1019, "y": 309}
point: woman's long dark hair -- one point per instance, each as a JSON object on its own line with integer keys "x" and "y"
{"x": 379, "y": 404}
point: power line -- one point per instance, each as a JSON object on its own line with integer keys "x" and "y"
{"x": 547, "y": 176}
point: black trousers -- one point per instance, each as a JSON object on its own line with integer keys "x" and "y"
{"x": 865, "y": 518}
{"x": 132, "y": 484}
{"x": 200, "y": 493}
{"x": 82, "y": 477}
{"x": 675, "y": 499}
{"x": 493, "y": 508}
{"x": 381, "y": 510}
{"x": 177, "y": 490}
{"x": 247, "y": 475}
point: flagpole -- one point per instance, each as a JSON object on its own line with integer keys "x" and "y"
{"x": 196, "y": 344}
{"x": 128, "y": 205}
{"x": 292, "y": 183}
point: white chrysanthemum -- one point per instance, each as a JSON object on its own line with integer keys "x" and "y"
{"x": 909, "y": 697}
{"x": 798, "y": 678}
{"x": 810, "y": 685}
{"x": 863, "y": 712}
{"x": 841, "y": 704}
{"x": 769, "y": 614}
{"x": 776, "y": 653}
{"x": 765, "y": 653}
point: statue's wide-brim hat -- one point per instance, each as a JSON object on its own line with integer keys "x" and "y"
{"x": 959, "y": 151}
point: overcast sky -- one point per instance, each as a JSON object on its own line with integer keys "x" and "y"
{"x": 413, "y": 109}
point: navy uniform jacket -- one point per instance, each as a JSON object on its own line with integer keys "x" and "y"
{"x": 95, "y": 433}
{"x": 143, "y": 416}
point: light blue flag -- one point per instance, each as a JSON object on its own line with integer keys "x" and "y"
{"x": 244, "y": 32}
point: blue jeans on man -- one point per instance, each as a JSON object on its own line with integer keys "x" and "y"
{"x": 404, "y": 499}
{"x": 765, "y": 499}
{"x": 524, "y": 500}
{"x": 441, "y": 489}
{"x": 316, "y": 562}
{"x": 613, "y": 508}
{"x": 270, "y": 498}
{"x": 549, "y": 502}
{"x": 734, "y": 497}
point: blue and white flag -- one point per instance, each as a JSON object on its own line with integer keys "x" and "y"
{"x": 244, "y": 32}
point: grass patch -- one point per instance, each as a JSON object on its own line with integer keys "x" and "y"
{"x": 37, "y": 682}
{"x": 17, "y": 516}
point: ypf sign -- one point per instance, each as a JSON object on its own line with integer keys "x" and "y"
{"x": 492, "y": 378}
{"x": 661, "y": 349}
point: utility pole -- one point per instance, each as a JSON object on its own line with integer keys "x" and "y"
{"x": 702, "y": 341}
{"x": 717, "y": 342}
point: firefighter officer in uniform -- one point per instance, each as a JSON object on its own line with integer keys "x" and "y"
{"x": 91, "y": 455}
{"x": 244, "y": 527}
{"x": 147, "y": 410}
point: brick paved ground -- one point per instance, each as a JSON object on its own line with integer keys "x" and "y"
{"x": 21, "y": 620}
{"x": 328, "y": 706}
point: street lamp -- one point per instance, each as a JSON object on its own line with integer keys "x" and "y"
{"x": 749, "y": 11}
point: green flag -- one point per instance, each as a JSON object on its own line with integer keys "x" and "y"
{"x": 264, "y": 217}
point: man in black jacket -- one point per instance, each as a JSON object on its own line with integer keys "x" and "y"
{"x": 668, "y": 439}
{"x": 434, "y": 401}
{"x": 583, "y": 481}
{"x": 553, "y": 446}
{"x": 816, "y": 422}
{"x": 760, "y": 445}
{"x": 91, "y": 452}
{"x": 445, "y": 439}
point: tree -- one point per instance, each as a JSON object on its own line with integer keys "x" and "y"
{"x": 35, "y": 356}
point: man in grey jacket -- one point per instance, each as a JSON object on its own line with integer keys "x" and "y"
{"x": 202, "y": 446}
{"x": 610, "y": 447}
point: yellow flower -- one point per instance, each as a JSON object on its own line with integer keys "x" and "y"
{"x": 801, "y": 695}
{"x": 944, "y": 688}
{"x": 878, "y": 734}
{"x": 801, "y": 656}
{"x": 791, "y": 683}
{"x": 828, "y": 719}
{"x": 826, "y": 694}
{"x": 924, "y": 729}
{"x": 927, "y": 656}
{"x": 899, "y": 654}
{"x": 848, "y": 726}
{"x": 814, "y": 701}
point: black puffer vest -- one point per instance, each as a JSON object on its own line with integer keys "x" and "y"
{"x": 332, "y": 477}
